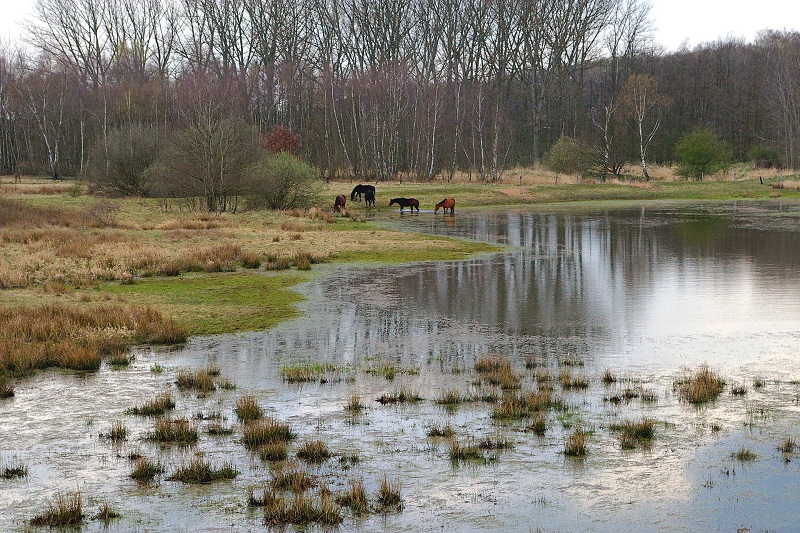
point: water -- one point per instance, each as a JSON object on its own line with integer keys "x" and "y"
{"x": 643, "y": 292}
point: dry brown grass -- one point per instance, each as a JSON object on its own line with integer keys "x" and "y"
{"x": 516, "y": 406}
{"x": 575, "y": 444}
{"x": 58, "y": 335}
{"x": 702, "y": 386}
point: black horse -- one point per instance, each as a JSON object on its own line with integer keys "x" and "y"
{"x": 369, "y": 197}
{"x": 359, "y": 189}
{"x": 405, "y": 202}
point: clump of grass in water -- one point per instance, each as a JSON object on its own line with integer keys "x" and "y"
{"x": 145, "y": 470}
{"x": 106, "y": 513}
{"x": 738, "y": 390}
{"x": 354, "y": 404}
{"x": 539, "y": 425}
{"x": 156, "y": 368}
{"x": 305, "y": 372}
{"x": 444, "y": 430}
{"x": 314, "y": 451}
{"x": 292, "y": 478}
{"x": 788, "y": 445}
{"x": 156, "y": 407}
{"x": 13, "y": 468}
{"x": 301, "y": 510}
{"x": 199, "y": 470}
{"x": 450, "y": 397}
{"x": 276, "y": 450}
{"x": 259, "y": 432}
{"x": 355, "y": 498}
{"x": 169, "y": 431}
{"x": 388, "y": 370}
{"x": 120, "y": 360}
{"x": 459, "y": 451}
{"x": 575, "y": 445}
{"x": 218, "y": 430}
{"x": 497, "y": 443}
{"x": 67, "y": 510}
{"x": 568, "y": 381}
{"x": 636, "y": 431}
{"x": 743, "y": 454}
{"x": 117, "y": 432}
{"x": 759, "y": 382}
{"x": 569, "y": 360}
{"x": 6, "y": 388}
{"x": 389, "y": 497}
{"x": 200, "y": 380}
{"x": 701, "y": 387}
{"x": 608, "y": 378}
{"x": 524, "y": 405}
{"x": 401, "y": 395}
{"x": 247, "y": 409}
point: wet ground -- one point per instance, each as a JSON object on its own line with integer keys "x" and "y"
{"x": 645, "y": 293}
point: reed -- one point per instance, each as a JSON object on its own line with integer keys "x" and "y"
{"x": 450, "y": 398}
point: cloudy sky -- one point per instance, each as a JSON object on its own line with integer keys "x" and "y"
{"x": 677, "y": 22}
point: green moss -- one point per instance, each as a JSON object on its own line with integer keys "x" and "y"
{"x": 456, "y": 250}
{"x": 219, "y": 303}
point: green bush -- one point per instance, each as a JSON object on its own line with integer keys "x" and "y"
{"x": 701, "y": 154}
{"x": 282, "y": 181}
{"x": 570, "y": 156}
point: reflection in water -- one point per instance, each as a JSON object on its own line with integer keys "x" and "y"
{"x": 641, "y": 292}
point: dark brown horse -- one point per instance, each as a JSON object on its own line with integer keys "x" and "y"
{"x": 338, "y": 204}
{"x": 405, "y": 202}
{"x": 447, "y": 203}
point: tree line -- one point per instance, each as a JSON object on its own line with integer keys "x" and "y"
{"x": 376, "y": 89}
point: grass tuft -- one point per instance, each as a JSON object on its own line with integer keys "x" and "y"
{"x": 13, "y": 468}
{"x": 301, "y": 510}
{"x": 575, "y": 444}
{"x": 292, "y": 478}
{"x": 66, "y": 510}
{"x": 788, "y": 445}
{"x": 276, "y": 450}
{"x": 400, "y": 395}
{"x": 636, "y": 431}
{"x": 450, "y": 397}
{"x": 6, "y": 388}
{"x": 517, "y": 406}
{"x": 106, "y": 513}
{"x": 200, "y": 380}
{"x": 314, "y": 451}
{"x": 443, "y": 430}
{"x": 743, "y": 454}
{"x": 117, "y": 432}
{"x": 355, "y": 498}
{"x": 259, "y": 432}
{"x": 169, "y": 431}
{"x": 701, "y": 387}
{"x": 200, "y": 471}
{"x": 247, "y": 409}
{"x": 145, "y": 470}
{"x": 389, "y": 497}
{"x": 354, "y": 404}
{"x": 155, "y": 407}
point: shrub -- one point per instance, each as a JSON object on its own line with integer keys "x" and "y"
{"x": 282, "y": 181}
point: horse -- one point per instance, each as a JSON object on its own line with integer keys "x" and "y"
{"x": 405, "y": 202}
{"x": 359, "y": 189}
{"x": 338, "y": 204}
{"x": 369, "y": 197}
{"x": 447, "y": 203}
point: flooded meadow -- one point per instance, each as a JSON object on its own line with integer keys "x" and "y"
{"x": 464, "y": 384}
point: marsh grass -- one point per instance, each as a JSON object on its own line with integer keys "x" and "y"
{"x": 106, "y": 513}
{"x": 77, "y": 338}
{"x": 568, "y": 381}
{"x": 302, "y": 509}
{"x": 516, "y": 406}
{"x": 441, "y": 430}
{"x": 492, "y": 363}
{"x": 247, "y": 409}
{"x": 634, "y": 432}
{"x": 496, "y": 443}
{"x": 608, "y": 378}
{"x": 538, "y": 425}
{"x": 155, "y": 407}
{"x": 200, "y": 471}
{"x": 354, "y": 404}
{"x": 117, "y": 432}
{"x": 389, "y": 497}
{"x": 13, "y": 468}
{"x": 354, "y": 498}
{"x": 400, "y": 395}
{"x": 276, "y": 450}
{"x": 219, "y": 430}
{"x": 759, "y": 382}
{"x": 169, "y": 431}
{"x": 156, "y": 368}
{"x": 6, "y": 388}
{"x": 314, "y": 451}
{"x": 306, "y": 372}
{"x": 575, "y": 445}
{"x": 66, "y": 510}
{"x": 145, "y": 470}
{"x": 459, "y": 451}
{"x": 701, "y": 387}
{"x": 570, "y": 360}
{"x": 788, "y": 445}
{"x": 389, "y": 370}
{"x": 292, "y": 478}
{"x": 199, "y": 380}
{"x": 450, "y": 398}
{"x": 743, "y": 454}
{"x": 494, "y": 370}
{"x": 257, "y": 433}
{"x": 120, "y": 360}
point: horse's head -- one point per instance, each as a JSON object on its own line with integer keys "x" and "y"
{"x": 436, "y": 209}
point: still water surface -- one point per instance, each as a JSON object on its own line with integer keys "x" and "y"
{"x": 644, "y": 292}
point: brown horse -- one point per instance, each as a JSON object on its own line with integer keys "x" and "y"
{"x": 405, "y": 202}
{"x": 447, "y": 203}
{"x": 338, "y": 204}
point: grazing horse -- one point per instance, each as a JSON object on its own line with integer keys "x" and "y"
{"x": 369, "y": 198}
{"x": 359, "y": 189}
{"x": 338, "y": 204}
{"x": 447, "y": 203}
{"x": 405, "y": 202}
